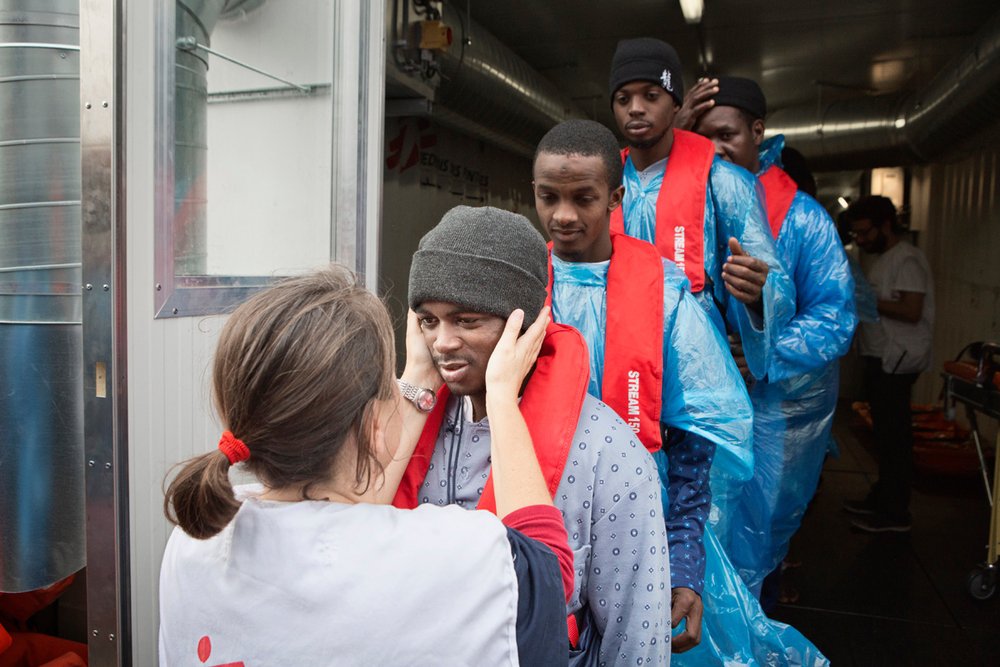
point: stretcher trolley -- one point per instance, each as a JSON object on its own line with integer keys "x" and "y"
{"x": 973, "y": 379}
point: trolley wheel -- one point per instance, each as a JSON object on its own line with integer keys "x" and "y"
{"x": 983, "y": 582}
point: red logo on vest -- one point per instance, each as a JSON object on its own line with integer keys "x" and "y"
{"x": 205, "y": 652}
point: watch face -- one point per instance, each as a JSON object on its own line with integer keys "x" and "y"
{"x": 425, "y": 400}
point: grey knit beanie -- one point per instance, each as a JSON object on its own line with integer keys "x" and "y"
{"x": 485, "y": 259}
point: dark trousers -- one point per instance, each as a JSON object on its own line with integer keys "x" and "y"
{"x": 889, "y": 398}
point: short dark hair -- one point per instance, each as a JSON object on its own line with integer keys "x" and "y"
{"x": 587, "y": 138}
{"x": 877, "y": 209}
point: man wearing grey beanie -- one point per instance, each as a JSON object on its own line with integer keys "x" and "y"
{"x": 468, "y": 274}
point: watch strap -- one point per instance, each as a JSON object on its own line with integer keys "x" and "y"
{"x": 411, "y": 391}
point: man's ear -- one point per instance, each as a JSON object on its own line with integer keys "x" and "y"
{"x": 757, "y": 131}
{"x": 615, "y": 200}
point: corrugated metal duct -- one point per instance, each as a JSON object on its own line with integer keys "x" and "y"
{"x": 42, "y": 509}
{"x": 490, "y": 92}
{"x": 195, "y": 19}
{"x": 959, "y": 103}
{"x": 41, "y": 408}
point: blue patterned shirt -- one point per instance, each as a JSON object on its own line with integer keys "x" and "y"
{"x": 609, "y": 496}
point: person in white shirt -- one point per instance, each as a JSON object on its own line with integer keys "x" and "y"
{"x": 312, "y": 566}
{"x": 896, "y": 349}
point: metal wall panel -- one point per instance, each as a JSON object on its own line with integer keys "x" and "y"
{"x": 957, "y": 207}
{"x": 104, "y": 339}
{"x": 41, "y": 411}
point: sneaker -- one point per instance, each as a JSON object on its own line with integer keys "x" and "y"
{"x": 863, "y": 507}
{"x": 881, "y": 523}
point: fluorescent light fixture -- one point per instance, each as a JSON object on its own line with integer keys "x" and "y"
{"x": 843, "y": 202}
{"x": 900, "y": 123}
{"x": 692, "y": 10}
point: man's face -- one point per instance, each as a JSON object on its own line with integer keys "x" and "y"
{"x": 574, "y": 204}
{"x": 869, "y": 237}
{"x": 735, "y": 141}
{"x": 461, "y": 343}
{"x": 644, "y": 113}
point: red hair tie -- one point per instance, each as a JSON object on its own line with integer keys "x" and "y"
{"x": 234, "y": 448}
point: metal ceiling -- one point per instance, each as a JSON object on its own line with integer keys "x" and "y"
{"x": 806, "y": 55}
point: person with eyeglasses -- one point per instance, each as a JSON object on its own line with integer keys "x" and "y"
{"x": 896, "y": 348}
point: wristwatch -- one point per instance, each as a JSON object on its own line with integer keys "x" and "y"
{"x": 424, "y": 399}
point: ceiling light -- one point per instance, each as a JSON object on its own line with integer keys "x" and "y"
{"x": 843, "y": 202}
{"x": 692, "y": 10}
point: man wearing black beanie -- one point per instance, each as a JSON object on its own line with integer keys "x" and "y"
{"x": 701, "y": 212}
{"x": 791, "y": 427}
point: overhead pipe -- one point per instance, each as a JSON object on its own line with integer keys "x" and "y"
{"x": 490, "y": 92}
{"x": 903, "y": 128}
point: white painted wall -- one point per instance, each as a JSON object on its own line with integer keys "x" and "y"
{"x": 957, "y": 207}
{"x": 269, "y": 160}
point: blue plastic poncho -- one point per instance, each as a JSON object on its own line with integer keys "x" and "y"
{"x": 793, "y": 407}
{"x": 702, "y": 394}
{"x": 732, "y": 209}
{"x": 735, "y": 630}
{"x": 704, "y": 401}
{"x": 865, "y": 298}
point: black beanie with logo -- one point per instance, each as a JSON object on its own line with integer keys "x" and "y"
{"x": 647, "y": 59}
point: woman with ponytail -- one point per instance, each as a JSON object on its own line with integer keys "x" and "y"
{"x": 312, "y": 565}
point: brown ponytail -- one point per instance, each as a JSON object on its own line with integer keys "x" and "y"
{"x": 202, "y": 496}
{"x": 295, "y": 374}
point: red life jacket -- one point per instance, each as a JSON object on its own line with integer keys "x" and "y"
{"x": 633, "y": 341}
{"x": 680, "y": 206}
{"x": 779, "y": 191}
{"x": 551, "y": 406}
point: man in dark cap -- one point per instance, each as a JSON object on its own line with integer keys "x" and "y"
{"x": 701, "y": 212}
{"x": 468, "y": 274}
{"x": 794, "y": 405}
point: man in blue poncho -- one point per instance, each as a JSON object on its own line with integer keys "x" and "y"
{"x": 655, "y": 356}
{"x": 701, "y": 212}
{"x": 794, "y": 403}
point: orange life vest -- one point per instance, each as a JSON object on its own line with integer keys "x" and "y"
{"x": 632, "y": 383}
{"x": 680, "y": 205}
{"x": 551, "y": 406}
{"x": 779, "y": 191}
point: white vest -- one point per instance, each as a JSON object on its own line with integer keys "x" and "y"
{"x": 319, "y": 583}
